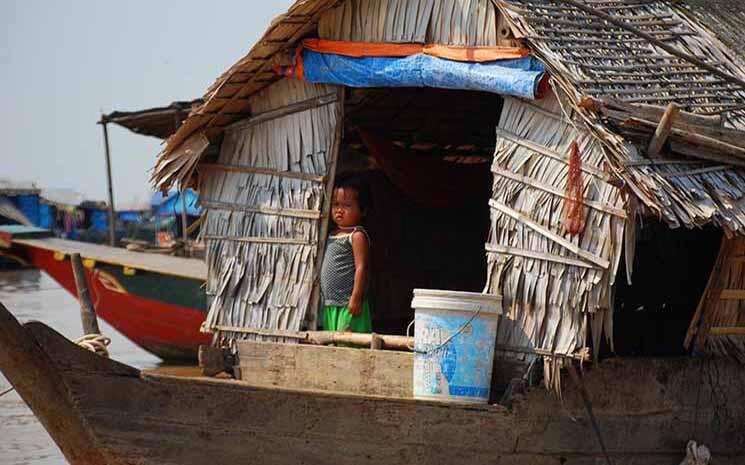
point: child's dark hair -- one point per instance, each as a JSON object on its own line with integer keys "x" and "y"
{"x": 351, "y": 181}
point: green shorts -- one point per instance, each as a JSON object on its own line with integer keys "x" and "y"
{"x": 338, "y": 318}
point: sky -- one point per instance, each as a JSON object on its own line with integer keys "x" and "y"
{"x": 62, "y": 64}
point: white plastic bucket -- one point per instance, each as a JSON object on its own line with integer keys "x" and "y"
{"x": 454, "y": 336}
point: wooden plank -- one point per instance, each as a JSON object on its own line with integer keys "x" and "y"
{"x": 663, "y": 130}
{"x": 732, "y": 294}
{"x": 286, "y": 110}
{"x": 727, "y": 331}
{"x": 611, "y": 210}
{"x": 259, "y": 239}
{"x": 335, "y": 369}
{"x": 541, "y": 150}
{"x": 519, "y": 217}
{"x": 288, "y": 212}
{"x": 311, "y": 316}
{"x": 87, "y": 312}
{"x": 496, "y": 248}
{"x": 257, "y": 170}
{"x": 191, "y": 268}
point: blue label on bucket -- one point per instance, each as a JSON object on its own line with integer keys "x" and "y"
{"x": 454, "y": 354}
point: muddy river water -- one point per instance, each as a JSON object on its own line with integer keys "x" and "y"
{"x": 32, "y": 295}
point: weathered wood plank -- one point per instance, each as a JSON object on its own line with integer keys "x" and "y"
{"x": 338, "y": 369}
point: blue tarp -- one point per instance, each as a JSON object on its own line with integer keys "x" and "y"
{"x": 46, "y": 216}
{"x": 29, "y": 205}
{"x": 99, "y": 220}
{"x": 519, "y": 77}
{"x": 171, "y": 204}
{"x": 129, "y": 216}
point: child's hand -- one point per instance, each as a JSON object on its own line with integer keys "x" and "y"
{"x": 355, "y": 306}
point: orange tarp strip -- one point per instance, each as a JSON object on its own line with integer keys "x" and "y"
{"x": 377, "y": 49}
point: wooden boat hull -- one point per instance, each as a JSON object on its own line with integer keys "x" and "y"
{"x": 160, "y": 312}
{"x": 101, "y": 411}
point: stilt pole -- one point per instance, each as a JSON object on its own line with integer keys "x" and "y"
{"x": 112, "y": 218}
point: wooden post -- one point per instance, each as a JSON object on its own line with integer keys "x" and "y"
{"x": 87, "y": 312}
{"x": 663, "y": 130}
{"x": 315, "y": 298}
{"x": 112, "y": 218}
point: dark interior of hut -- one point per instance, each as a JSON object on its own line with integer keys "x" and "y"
{"x": 425, "y": 156}
{"x": 670, "y": 272}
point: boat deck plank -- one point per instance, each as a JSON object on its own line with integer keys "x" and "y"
{"x": 192, "y": 268}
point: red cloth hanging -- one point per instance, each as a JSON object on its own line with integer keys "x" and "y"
{"x": 573, "y": 212}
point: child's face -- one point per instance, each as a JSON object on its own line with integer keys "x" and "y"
{"x": 345, "y": 208}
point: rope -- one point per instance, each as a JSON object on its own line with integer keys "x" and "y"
{"x": 95, "y": 343}
{"x": 6, "y": 391}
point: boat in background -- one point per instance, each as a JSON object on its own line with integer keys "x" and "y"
{"x": 157, "y": 301}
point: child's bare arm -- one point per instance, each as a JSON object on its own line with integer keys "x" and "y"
{"x": 360, "y": 249}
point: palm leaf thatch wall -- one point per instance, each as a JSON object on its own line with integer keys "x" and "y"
{"x": 448, "y": 22}
{"x": 554, "y": 285}
{"x": 264, "y": 199}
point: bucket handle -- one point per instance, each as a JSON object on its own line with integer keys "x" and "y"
{"x": 444, "y": 343}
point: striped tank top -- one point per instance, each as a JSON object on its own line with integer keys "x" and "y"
{"x": 337, "y": 271}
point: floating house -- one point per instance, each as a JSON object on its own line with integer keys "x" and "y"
{"x": 581, "y": 159}
{"x": 566, "y": 97}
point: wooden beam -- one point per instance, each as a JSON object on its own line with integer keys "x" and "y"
{"x": 87, "y": 312}
{"x": 732, "y": 294}
{"x": 385, "y": 341}
{"x": 663, "y": 130}
{"x": 727, "y": 331}
{"x": 297, "y": 107}
{"x": 257, "y": 170}
{"x": 525, "y": 220}
{"x": 260, "y": 240}
{"x": 500, "y": 249}
{"x": 287, "y": 212}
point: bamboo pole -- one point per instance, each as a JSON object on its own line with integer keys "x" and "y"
{"x": 112, "y": 219}
{"x": 87, "y": 312}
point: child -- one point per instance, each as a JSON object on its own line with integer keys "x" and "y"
{"x": 345, "y": 263}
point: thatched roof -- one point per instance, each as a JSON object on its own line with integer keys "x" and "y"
{"x": 629, "y": 51}
{"x": 226, "y": 101}
{"x": 726, "y": 18}
{"x": 633, "y": 53}
{"x": 158, "y": 122}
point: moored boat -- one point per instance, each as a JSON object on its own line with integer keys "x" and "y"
{"x": 101, "y": 411}
{"x": 154, "y": 300}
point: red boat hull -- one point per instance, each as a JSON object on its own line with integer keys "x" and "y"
{"x": 167, "y": 329}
